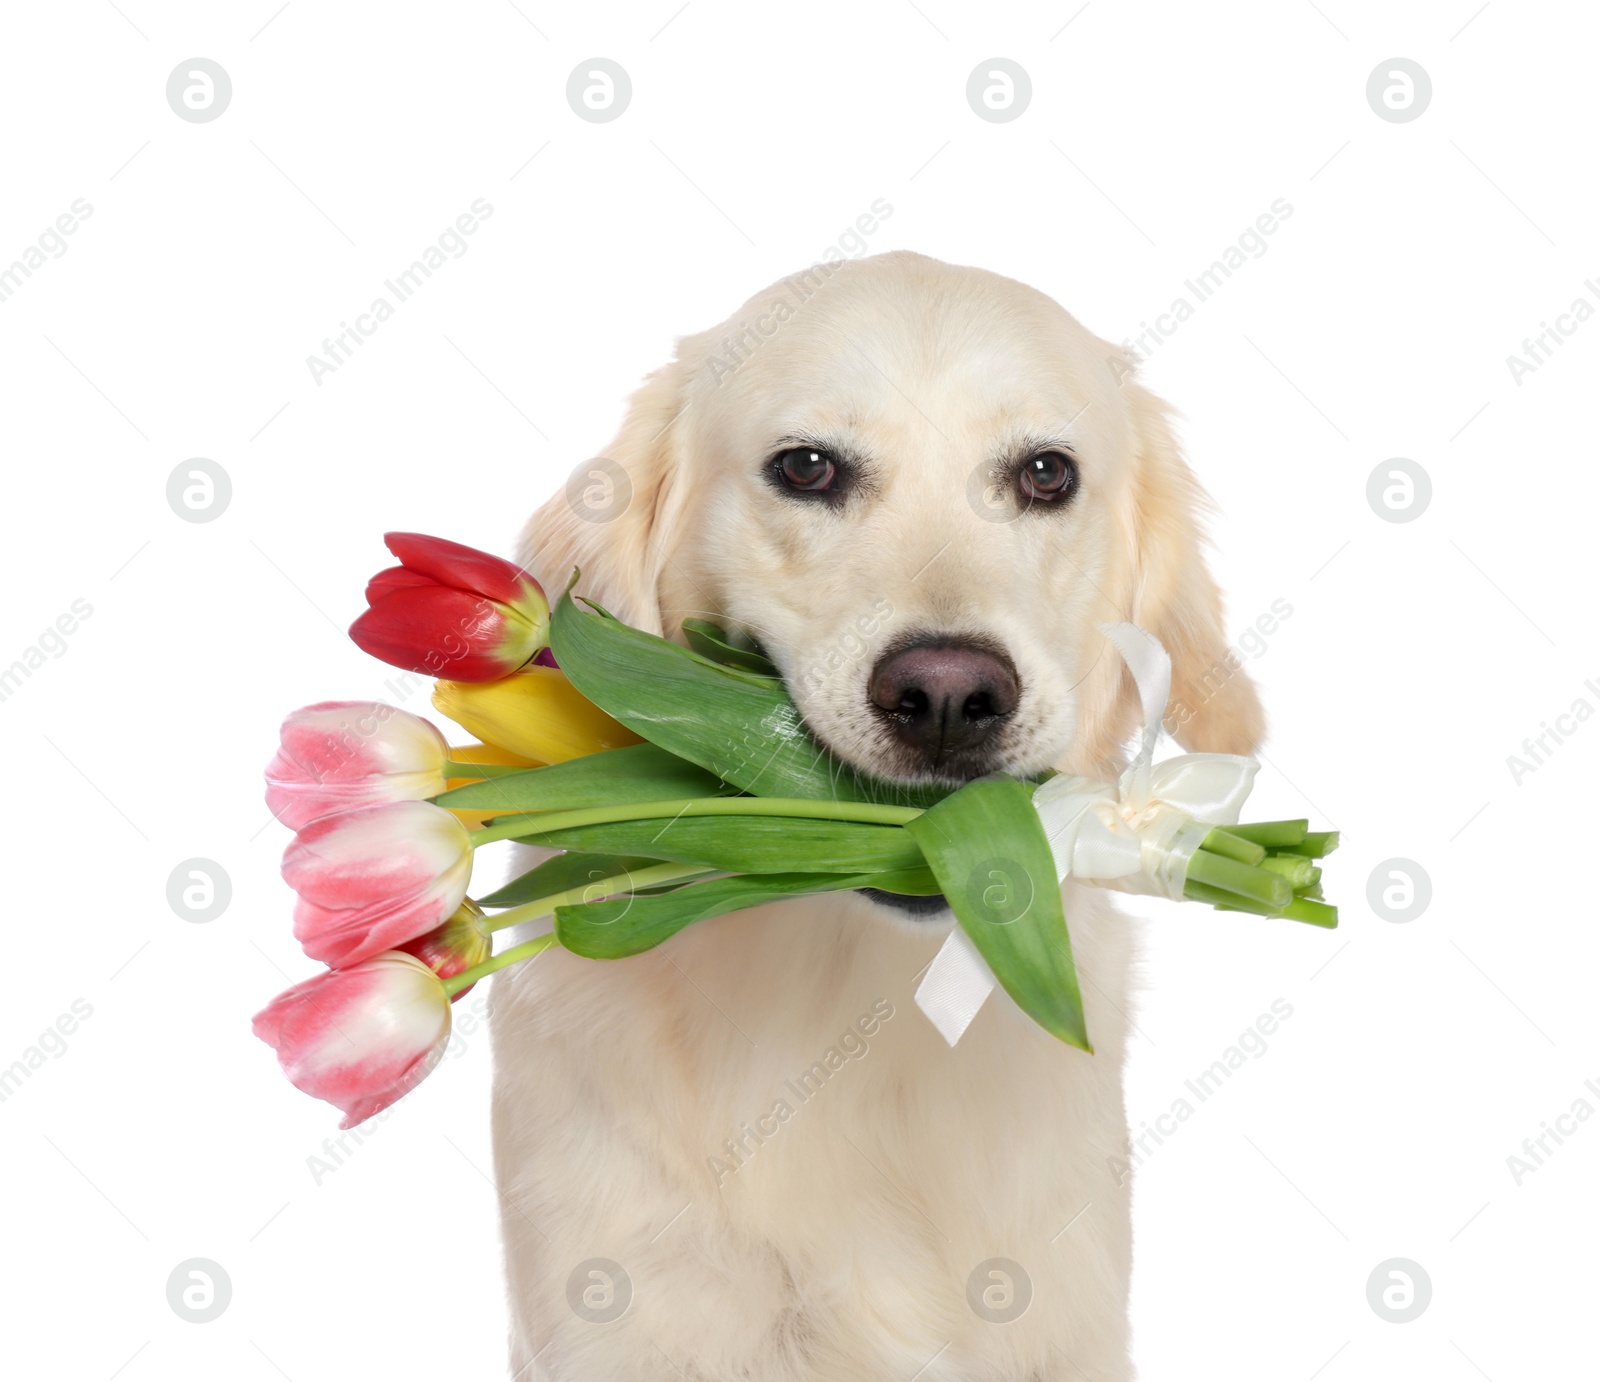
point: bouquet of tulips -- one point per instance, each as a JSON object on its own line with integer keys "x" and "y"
{"x": 678, "y": 783}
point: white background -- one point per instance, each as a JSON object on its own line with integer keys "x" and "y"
{"x": 1418, "y": 656}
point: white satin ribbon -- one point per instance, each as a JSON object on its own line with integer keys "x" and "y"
{"x": 1135, "y": 834}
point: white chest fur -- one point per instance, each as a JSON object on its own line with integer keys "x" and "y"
{"x": 796, "y": 1175}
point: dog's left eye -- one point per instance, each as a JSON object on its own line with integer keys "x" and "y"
{"x": 1051, "y": 477}
{"x": 806, "y": 469}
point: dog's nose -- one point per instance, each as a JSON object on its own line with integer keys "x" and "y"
{"x": 942, "y": 696}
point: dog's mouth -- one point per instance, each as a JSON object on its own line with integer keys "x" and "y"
{"x": 915, "y": 906}
{"x": 955, "y": 771}
{"x": 909, "y": 906}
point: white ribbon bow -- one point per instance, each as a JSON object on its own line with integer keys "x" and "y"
{"x": 1135, "y": 835}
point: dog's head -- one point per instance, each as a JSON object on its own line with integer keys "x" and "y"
{"x": 921, "y": 489}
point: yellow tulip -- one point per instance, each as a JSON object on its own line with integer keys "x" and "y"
{"x": 536, "y": 713}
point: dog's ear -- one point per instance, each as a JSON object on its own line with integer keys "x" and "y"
{"x": 613, "y": 516}
{"x": 1213, "y": 706}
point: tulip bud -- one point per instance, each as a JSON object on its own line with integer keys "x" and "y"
{"x": 372, "y": 879}
{"x": 463, "y": 941}
{"x": 360, "y": 1037}
{"x": 537, "y": 713}
{"x": 449, "y": 610}
{"x": 338, "y": 755}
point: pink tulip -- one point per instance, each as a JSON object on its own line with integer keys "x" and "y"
{"x": 374, "y": 878}
{"x": 339, "y": 755}
{"x": 361, "y": 1037}
{"x": 460, "y": 943}
{"x": 452, "y": 611}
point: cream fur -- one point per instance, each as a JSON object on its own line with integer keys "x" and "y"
{"x": 842, "y": 1246}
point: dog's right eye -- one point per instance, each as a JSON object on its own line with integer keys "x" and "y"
{"x": 806, "y": 470}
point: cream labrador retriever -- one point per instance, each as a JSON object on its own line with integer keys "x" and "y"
{"x": 747, "y": 1155}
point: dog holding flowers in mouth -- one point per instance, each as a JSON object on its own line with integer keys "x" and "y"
{"x": 921, "y": 490}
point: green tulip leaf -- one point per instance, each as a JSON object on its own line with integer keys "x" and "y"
{"x": 563, "y": 873}
{"x": 747, "y": 844}
{"x": 612, "y": 777}
{"x": 712, "y": 641}
{"x": 616, "y": 927}
{"x": 987, "y": 848}
{"x": 737, "y": 724}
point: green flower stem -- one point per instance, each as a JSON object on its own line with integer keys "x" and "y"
{"x": 1297, "y": 868}
{"x": 526, "y": 951}
{"x": 1311, "y": 912}
{"x": 1225, "y": 901}
{"x": 539, "y": 822}
{"x": 589, "y": 892}
{"x": 1225, "y": 842}
{"x": 454, "y": 769}
{"x": 1316, "y": 845}
{"x": 1308, "y": 910}
{"x": 1216, "y": 871}
{"x": 1273, "y": 834}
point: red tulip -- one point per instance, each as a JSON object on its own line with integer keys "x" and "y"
{"x": 452, "y": 611}
{"x": 362, "y": 1037}
{"x": 458, "y": 944}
